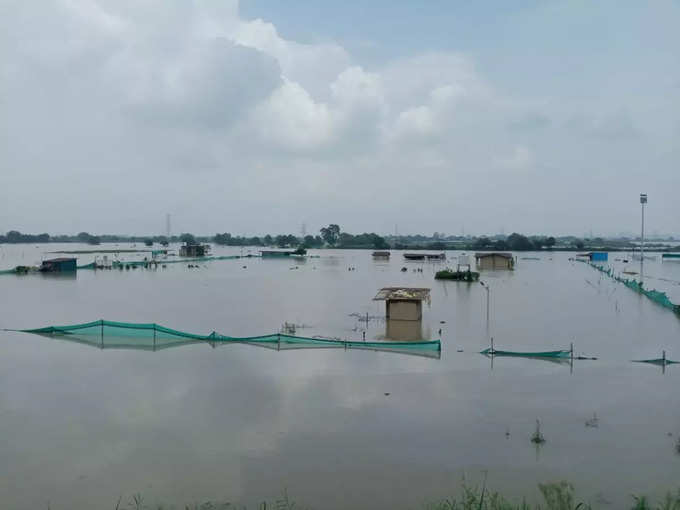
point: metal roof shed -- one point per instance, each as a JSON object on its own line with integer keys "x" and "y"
{"x": 403, "y": 303}
{"x": 58, "y": 265}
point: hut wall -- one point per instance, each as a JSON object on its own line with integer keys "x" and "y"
{"x": 405, "y": 310}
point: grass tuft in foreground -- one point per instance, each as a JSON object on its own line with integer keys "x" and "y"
{"x": 556, "y": 496}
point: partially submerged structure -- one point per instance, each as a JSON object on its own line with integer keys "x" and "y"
{"x": 598, "y": 256}
{"x": 458, "y": 275}
{"x": 193, "y": 250}
{"x": 381, "y": 254}
{"x": 494, "y": 260}
{"x": 403, "y": 303}
{"x": 59, "y": 265}
{"x": 425, "y": 256}
{"x": 300, "y": 252}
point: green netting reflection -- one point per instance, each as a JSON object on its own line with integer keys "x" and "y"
{"x": 545, "y": 354}
{"x": 149, "y": 336}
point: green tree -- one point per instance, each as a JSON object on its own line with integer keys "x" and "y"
{"x": 187, "y": 238}
{"x": 330, "y": 234}
{"x": 14, "y": 236}
{"x": 518, "y": 242}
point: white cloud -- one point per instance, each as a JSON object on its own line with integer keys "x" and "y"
{"x": 160, "y": 92}
{"x": 519, "y": 159}
{"x": 292, "y": 120}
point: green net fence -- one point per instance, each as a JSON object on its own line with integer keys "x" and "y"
{"x": 119, "y": 264}
{"x": 149, "y": 336}
{"x": 116, "y": 264}
{"x": 561, "y": 354}
{"x": 658, "y": 297}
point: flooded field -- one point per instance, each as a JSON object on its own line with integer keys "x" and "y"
{"x": 81, "y": 426}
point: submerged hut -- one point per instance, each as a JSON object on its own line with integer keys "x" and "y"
{"x": 494, "y": 260}
{"x": 403, "y": 303}
{"x": 58, "y": 265}
{"x": 193, "y": 250}
{"x": 381, "y": 254}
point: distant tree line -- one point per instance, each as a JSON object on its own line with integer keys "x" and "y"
{"x": 332, "y": 236}
{"x": 515, "y": 242}
{"x": 14, "y": 236}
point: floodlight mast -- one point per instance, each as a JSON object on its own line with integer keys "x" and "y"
{"x": 643, "y": 201}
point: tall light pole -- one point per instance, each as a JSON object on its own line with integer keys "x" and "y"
{"x": 643, "y": 201}
{"x": 488, "y": 290}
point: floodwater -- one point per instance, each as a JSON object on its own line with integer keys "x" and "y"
{"x": 81, "y": 427}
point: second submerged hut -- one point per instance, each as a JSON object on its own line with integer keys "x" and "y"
{"x": 494, "y": 260}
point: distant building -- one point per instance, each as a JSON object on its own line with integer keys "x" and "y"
{"x": 58, "y": 265}
{"x": 403, "y": 303}
{"x": 494, "y": 260}
{"x": 193, "y": 250}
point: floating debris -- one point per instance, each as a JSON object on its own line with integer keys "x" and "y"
{"x": 461, "y": 276}
{"x": 537, "y": 437}
{"x": 593, "y": 422}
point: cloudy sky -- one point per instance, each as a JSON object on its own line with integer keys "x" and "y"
{"x": 254, "y": 117}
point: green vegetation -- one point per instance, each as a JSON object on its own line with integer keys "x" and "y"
{"x": 14, "y": 236}
{"x": 330, "y": 234}
{"x": 84, "y": 237}
{"x": 461, "y": 276}
{"x": 187, "y": 238}
{"x": 555, "y": 496}
{"x": 516, "y": 242}
{"x": 333, "y": 237}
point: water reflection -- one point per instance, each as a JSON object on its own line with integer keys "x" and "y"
{"x": 404, "y": 331}
{"x": 60, "y": 276}
{"x": 153, "y": 344}
{"x": 241, "y": 423}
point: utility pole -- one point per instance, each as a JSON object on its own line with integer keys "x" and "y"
{"x": 488, "y": 299}
{"x": 643, "y": 201}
